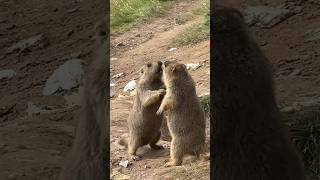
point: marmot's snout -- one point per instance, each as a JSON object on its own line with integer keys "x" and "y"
{"x": 160, "y": 67}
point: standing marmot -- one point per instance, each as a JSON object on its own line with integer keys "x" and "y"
{"x": 144, "y": 125}
{"x": 249, "y": 140}
{"x": 186, "y": 120}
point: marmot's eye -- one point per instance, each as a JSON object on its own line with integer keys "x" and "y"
{"x": 149, "y": 65}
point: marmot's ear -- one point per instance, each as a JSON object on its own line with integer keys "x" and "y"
{"x": 179, "y": 68}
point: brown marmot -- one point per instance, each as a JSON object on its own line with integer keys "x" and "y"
{"x": 250, "y": 142}
{"x": 186, "y": 119}
{"x": 143, "y": 123}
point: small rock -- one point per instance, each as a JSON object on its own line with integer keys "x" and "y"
{"x": 73, "y": 10}
{"x": 113, "y": 59}
{"x": 124, "y": 163}
{"x": 192, "y": 66}
{"x": 130, "y": 86}
{"x": 295, "y": 72}
{"x": 265, "y": 16}
{"x": 172, "y": 49}
{"x": 112, "y": 84}
{"x": 133, "y": 93}
{"x": 120, "y": 44}
{"x": 147, "y": 166}
{"x": 66, "y": 77}
{"x": 32, "y": 42}
{"x": 117, "y": 75}
{"x": 7, "y": 74}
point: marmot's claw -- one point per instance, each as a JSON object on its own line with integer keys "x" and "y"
{"x": 159, "y": 112}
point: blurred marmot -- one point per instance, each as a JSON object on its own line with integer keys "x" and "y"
{"x": 250, "y": 142}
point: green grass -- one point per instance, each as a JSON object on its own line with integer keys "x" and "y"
{"x": 182, "y": 19}
{"x": 305, "y": 132}
{"x": 199, "y": 32}
{"x": 205, "y": 102}
{"x": 128, "y": 13}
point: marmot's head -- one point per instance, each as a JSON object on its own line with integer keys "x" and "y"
{"x": 173, "y": 70}
{"x": 151, "y": 71}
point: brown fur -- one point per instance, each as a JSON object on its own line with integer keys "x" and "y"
{"x": 165, "y": 133}
{"x": 186, "y": 119}
{"x": 250, "y": 142}
{"x": 144, "y": 125}
{"x": 87, "y": 159}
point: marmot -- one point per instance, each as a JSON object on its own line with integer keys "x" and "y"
{"x": 186, "y": 119}
{"x": 250, "y": 142}
{"x": 87, "y": 159}
{"x": 143, "y": 123}
{"x": 165, "y": 133}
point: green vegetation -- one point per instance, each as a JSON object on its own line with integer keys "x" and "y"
{"x": 199, "y": 32}
{"x": 182, "y": 19}
{"x": 128, "y": 13}
{"x": 205, "y": 102}
{"x": 305, "y": 132}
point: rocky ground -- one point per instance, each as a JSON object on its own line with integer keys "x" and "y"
{"x": 38, "y": 113}
{"x": 36, "y": 38}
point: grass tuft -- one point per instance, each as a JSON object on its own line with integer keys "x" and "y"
{"x": 205, "y": 102}
{"x": 128, "y": 13}
{"x": 305, "y": 133}
{"x": 199, "y": 32}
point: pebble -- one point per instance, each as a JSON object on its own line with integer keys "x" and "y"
{"x": 192, "y": 66}
{"x": 130, "y": 86}
{"x": 7, "y": 74}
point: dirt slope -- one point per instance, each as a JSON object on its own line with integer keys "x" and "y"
{"x": 34, "y": 147}
{"x": 151, "y": 42}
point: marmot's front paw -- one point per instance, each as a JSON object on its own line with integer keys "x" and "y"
{"x": 162, "y": 91}
{"x": 159, "y": 112}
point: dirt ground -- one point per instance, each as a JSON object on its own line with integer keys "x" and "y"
{"x": 34, "y": 147}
